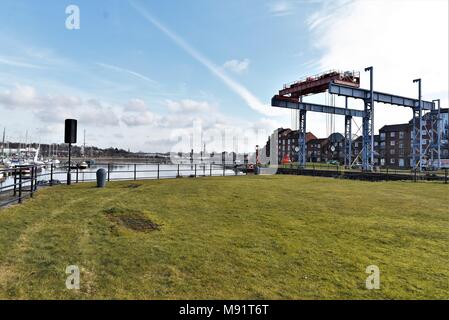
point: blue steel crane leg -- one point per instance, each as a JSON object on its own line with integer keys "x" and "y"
{"x": 368, "y": 128}
{"x": 417, "y": 134}
{"x": 435, "y": 136}
{"x": 368, "y": 139}
{"x": 348, "y": 141}
{"x": 302, "y": 153}
{"x": 439, "y": 128}
{"x": 414, "y": 138}
{"x": 417, "y": 152}
{"x": 366, "y": 125}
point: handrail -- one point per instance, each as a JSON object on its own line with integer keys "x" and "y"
{"x": 26, "y": 179}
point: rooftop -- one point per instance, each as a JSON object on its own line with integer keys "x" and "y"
{"x": 395, "y": 127}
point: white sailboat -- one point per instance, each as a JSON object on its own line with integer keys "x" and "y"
{"x": 36, "y": 160}
{"x": 83, "y": 164}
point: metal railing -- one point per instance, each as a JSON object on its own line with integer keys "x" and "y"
{"x": 384, "y": 174}
{"x": 24, "y": 180}
{"x": 24, "y": 184}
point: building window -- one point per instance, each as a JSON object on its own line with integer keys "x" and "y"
{"x": 392, "y": 143}
{"x": 401, "y": 163}
{"x": 392, "y": 161}
{"x": 401, "y": 135}
{"x": 401, "y": 145}
{"x": 392, "y": 151}
{"x": 392, "y": 134}
{"x": 382, "y": 136}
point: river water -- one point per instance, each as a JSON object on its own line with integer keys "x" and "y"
{"x": 128, "y": 172}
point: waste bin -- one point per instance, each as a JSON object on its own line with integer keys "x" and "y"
{"x": 101, "y": 178}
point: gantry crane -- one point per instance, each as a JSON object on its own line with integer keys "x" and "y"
{"x": 347, "y": 84}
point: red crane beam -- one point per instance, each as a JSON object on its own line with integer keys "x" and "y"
{"x": 320, "y": 83}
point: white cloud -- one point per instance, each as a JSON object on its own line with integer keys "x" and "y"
{"x": 54, "y": 109}
{"x": 237, "y": 66}
{"x": 136, "y": 105}
{"x": 136, "y": 114}
{"x": 133, "y": 119}
{"x": 51, "y": 129}
{"x": 188, "y": 106}
{"x": 280, "y": 8}
{"x": 138, "y": 119}
{"x": 23, "y": 96}
{"x": 403, "y": 40}
{"x": 96, "y": 112}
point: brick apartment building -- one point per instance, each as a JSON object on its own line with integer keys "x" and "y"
{"x": 396, "y": 142}
{"x": 392, "y": 146}
{"x": 287, "y": 141}
{"x": 395, "y": 145}
{"x": 327, "y": 149}
{"x": 315, "y": 150}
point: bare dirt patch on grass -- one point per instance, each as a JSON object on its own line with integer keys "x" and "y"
{"x": 7, "y": 273}
{"x": 133, "y": 186}
{"x": 132, "y": 220}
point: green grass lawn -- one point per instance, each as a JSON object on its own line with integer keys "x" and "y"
{"x": 254, "y": 237}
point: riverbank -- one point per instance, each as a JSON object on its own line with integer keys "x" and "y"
{"x": 249, "y": 237}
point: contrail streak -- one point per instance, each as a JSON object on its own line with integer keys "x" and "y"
{"x": 239, "y": 89}
{"x": 133, "y": 73}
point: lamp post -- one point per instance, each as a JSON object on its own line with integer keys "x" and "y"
{"x": 70, "y": 137}
{"x": 69, "y": 174}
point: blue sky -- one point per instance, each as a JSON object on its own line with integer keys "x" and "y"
{"x": 138, "y": 73}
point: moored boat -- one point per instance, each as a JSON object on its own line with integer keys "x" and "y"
{"x": 83, "y": 165}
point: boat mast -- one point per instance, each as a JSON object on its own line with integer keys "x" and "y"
{"x": 27, "y": 148}
{"x": 84, "y": 145}
{"x": 3, "y": 142}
